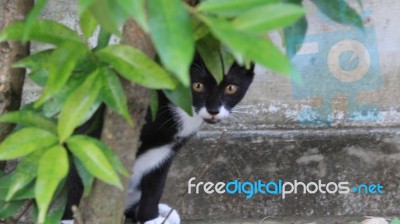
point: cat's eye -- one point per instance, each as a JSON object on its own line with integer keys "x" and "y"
{"x": 198, "y": 87}
{"x": 231, "y": 89}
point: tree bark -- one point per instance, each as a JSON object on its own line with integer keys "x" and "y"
{"x": 106, "y": 203}
{"x": 11, "y": 79}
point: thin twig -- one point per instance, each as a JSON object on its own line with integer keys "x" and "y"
{"x": 77, "y": 215}
{"x": 27, "y": 205}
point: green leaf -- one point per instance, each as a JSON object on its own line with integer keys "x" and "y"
{"x": 231, "y": 8}
{"x": 258, "y": 49}
{"x": 78, "y": 104}
{"x": 111, "y": 156}
{"x": 340, "y": 11}
{"x": 55, "y": 104}
{"x": 83, "y": 5}
{"x": 294, "y": 36}
{"x": 57, "y": 208}
{"x": 87, "y": 23}
{"x": 30, "y": 118}
{"x": 4, "y": 186}
{"x": 109, "y": 15}
{"x": 208, "y": 48}
{"x": 25, "y": 141}
{"x": 45, "y": 31}
{"x": 68, "y": 56}
{"x": 26, "y": 171}
{"x": 53, "y": 168}
{"x": 7, "y": 209}
{"x": 32, "y": 16}
{"x": 199, "y": 29}
{"x": 227, "y": 58}
{"x": 27, "y": 192}
{"x": 86, "y": 177}
{"x": 93, "y": 158}
{"x": 136, "y": 67}
{"x": 136, "y": 9}
{"x": 171, "y": 32}
{"x": 275, "y": 16}
{"x": 114, "y": 95}
{"x": 181, "y": 97}
{"x": 34, "y": 61}
{"x": 153, "y": 104}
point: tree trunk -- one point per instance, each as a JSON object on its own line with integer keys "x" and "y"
{"x": 11, "y": 79}
{"x": 106, "y": 203}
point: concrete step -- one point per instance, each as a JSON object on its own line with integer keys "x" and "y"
{"x": 354, "y": 155}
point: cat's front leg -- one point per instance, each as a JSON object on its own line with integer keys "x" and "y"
{"x": 152, "y": 186}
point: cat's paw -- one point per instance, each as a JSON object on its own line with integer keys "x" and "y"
{"x": 159, "y": 220}
{"x": 164, "y": 210}
{"x": 67, "y": 222}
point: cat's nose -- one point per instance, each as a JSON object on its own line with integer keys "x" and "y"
{"x": 213, "y": 112}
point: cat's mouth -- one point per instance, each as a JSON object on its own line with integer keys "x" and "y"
{"x": 212, "y": 120}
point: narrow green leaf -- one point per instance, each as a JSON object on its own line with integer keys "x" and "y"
{"x": 53, "y": 168}
{"x": 26, "y": 171}
{"x": 25, "y": 141}
{"x": 275, "y": 16}
{"x": 34, "y": 61}
{"x": 86, "y": 177}
{"x": 136, "y": 9}
{"x": 111, "y": 156}
{"x": 258, "y": 49}
{"x": 135, "y": 66}
{"x": 68, "y": 56}
{"x": 227, "y": 58}
{"x": 294, "y": 36}
{"x": 4, "y": 186}
{"x": 54, "y": 105}
{"x": 208, "y": 48}
{"x": 78, "y": 104}
{"x": 172, "y": 35}
{"x": 87, "y": 23}
{"x": 45, "y": 31}
{"x": 83, "y": 6}
{"x": 93, "y": 158}
{"x": 340, "y": 11}
{"x": 113, "y": 94}
{"x": 231, "y": 8}
{"x": 153, "y": 104}
{"x": 57, "y": 208}
{"x": 107, "y": 14}
{"x": 7, "y": 209}
{"x": 38, "y": 64}
{"x": 181, "y": 97}
{"x": 32, "y": 16}
{"x": 27, "y": 192}
{"x": 199, "y": 29}
{"x": 30, "y": 118}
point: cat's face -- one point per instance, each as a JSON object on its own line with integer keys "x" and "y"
{"x": 214, "y": 102}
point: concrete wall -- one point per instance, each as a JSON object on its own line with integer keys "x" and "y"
{"x": 338, "y": 123}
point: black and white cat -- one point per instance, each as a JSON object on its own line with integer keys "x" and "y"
{"x": 162, "y": 137}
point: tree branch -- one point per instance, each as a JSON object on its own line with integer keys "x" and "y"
{"x": 11, "y": 79}
{"x": 106, "y": 203}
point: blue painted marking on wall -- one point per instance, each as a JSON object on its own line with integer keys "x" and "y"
{"x": 357, "y": 73}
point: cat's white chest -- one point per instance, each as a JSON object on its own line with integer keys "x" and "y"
{"x": 188, "y": 125}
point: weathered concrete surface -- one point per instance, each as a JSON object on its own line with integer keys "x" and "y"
{"x": 280, "y": 130}
{"x": 359, "y": 156}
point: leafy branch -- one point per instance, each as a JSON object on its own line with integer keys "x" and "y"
{"x": 77, "y": 79}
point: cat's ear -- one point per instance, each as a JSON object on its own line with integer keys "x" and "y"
{"x": 197, "y": 58}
